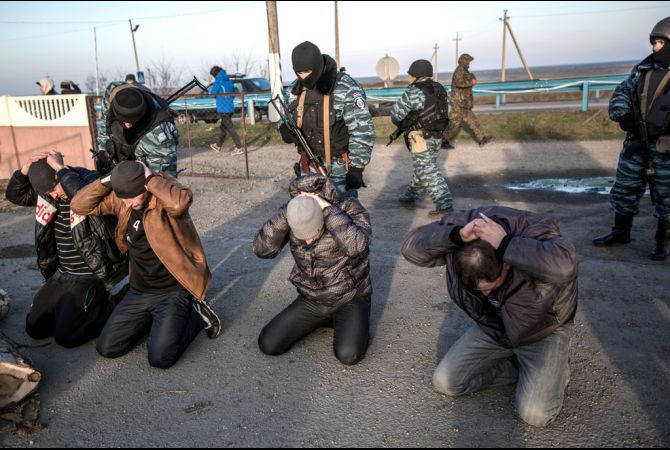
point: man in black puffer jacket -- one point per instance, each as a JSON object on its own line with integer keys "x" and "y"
{"x": 514, "y": 274}
{"x": 76, "y": 255}
{"x": 330, "y": 241}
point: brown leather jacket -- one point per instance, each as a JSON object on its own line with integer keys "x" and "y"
{"x": 335, "y": 269}
{"x": 167, "y": 224}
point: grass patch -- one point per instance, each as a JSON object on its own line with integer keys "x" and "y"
{"x": 508, "y": 126}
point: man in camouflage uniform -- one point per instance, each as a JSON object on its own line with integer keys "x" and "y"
{"x": 137, "y": 125}
{"x": 351, "y": 131}
{"x": 462, "y": 103}
{"x": 422, "y": 112}
{"x": 640, "y": 105}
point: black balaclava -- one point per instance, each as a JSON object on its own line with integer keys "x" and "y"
{"x": 307, "y": 56}
{"x": 662, "y": 57}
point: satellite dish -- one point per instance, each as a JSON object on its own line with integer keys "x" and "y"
{"x": 388, "y": 68}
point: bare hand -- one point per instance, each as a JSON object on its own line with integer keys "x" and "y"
{"x": 322, "y": 203}
{"x": 468, "y": 232}
{"x": 147, "y": 171}
{"x": 55, "y": 160}
{"x": 489, "y": 231}
{"x": 33, "y": 159}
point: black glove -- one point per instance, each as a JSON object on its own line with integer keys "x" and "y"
{"x": 297, "y": 169}
{"x": 354, "y": 178}
{"x": 286, "y": 134}
{"x": 627, "y": 123}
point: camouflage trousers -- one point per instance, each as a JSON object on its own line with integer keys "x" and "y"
{"x": 427, "y": 177}
{"x": 631, "y": 183}
{"x": 458, "y": 117}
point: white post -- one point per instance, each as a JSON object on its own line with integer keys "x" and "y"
{"x": 250, "y": 111}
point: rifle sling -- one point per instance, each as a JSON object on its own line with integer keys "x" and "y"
{"x": 326, "y": 130}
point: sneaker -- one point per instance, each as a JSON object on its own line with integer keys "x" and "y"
{"x": 209, "y": 317}
{"x": 446, "y": 145}
{"x": 485, "y": 141}
{"x": 215, "y": 147}
{"x": 237, "y": 151}
{"x": 440, "y": 212}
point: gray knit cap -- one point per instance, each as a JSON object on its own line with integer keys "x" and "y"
{"x": 305, "y": 217}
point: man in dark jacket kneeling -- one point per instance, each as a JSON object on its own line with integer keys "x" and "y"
{"x": 330, "y": 240}
{"x": 514, "y": 274}
{"x": 76, "y": 255}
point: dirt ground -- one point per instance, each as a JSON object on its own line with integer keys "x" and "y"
{"x": 226, "y": 393}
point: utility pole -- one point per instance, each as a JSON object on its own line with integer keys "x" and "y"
{"x": 506, "y": 28}
{"x": 337, "y": 38}
{"x": 274, "y": 59}
{"x": 97, "y": 70}
{"x": 502, "y": 70}
{"x": 456, "y": 40}
{"x": 132, "y": 33}
{"x": 435, "y": 48}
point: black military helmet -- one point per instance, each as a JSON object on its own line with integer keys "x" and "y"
{"x": 661, "y": 30}
{"x": 421, "y": 68}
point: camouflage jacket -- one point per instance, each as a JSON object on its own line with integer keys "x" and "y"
{"x": 350, "y": 105}
{"x": 413, "y": 99}
{"x": 461, "y": 88}
{"x": 622, "y": 99}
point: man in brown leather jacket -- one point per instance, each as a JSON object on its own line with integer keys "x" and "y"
{"x": 514, "y": 274}
{"x": 169, "y": 275}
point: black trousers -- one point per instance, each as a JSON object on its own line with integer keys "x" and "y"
{"x": 71, "y": 308}
{"x": 350, "y": 321}
{"x": 228, "y": 127}
{"x": 168, "y": 318}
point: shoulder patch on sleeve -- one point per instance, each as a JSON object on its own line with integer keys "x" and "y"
{"x": 359, "y": 101}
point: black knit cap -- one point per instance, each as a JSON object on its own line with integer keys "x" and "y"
{"x": 421, "y": 68}
{"x": 128, "y": 179}
{"x": 307, "y": 56}
{"x": 42, "y": 176}
{"x": 129, "y": 105}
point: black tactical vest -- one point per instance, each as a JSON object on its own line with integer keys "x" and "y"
{"x": 312, "y": 124}
{"x": 435, "y": 122}
{"x": 658, "y": 117}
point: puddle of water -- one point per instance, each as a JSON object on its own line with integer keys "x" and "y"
{"x": 593, "y": 185}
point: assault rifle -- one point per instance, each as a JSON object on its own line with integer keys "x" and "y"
{"x": 314, "y": 159}
{"x": 411, "y": 126}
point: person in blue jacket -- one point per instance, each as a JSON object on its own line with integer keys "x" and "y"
{"x": 225, "y": 108}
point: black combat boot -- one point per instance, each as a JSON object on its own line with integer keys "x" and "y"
{"x": 661, "y": 252}
{"x": 620, "y": 233}
{"x": 446, "y": 145}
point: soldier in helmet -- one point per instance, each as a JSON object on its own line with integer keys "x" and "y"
{"x": 640, "y": 105}
{"x": 423, "y": 112}
{"x": 344, "y": 137}
{"x": 462, "y": 103}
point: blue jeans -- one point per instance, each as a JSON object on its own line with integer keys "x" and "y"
{"x": 540, "y": 370}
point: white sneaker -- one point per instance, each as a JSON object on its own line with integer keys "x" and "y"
{"x": 237, "y": 151}
{"x": 215, "y": 147}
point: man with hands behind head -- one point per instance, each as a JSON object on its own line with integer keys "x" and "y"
{"x": 169, "y": 275}
{"x": 514, "y": 274}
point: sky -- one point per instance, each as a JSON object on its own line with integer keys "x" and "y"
{"x": 57, "y": 39}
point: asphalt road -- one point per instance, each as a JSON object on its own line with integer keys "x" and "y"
{"x": 226, "y": 393}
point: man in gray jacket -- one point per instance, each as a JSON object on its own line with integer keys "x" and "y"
{"x": 514, "y": 274}
{"x": 330, "y": 240}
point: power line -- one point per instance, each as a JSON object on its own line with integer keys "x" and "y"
{"x": 580, "y": 13}
{"x": 96, "y": 22}
{"x": 27, "y": 38}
